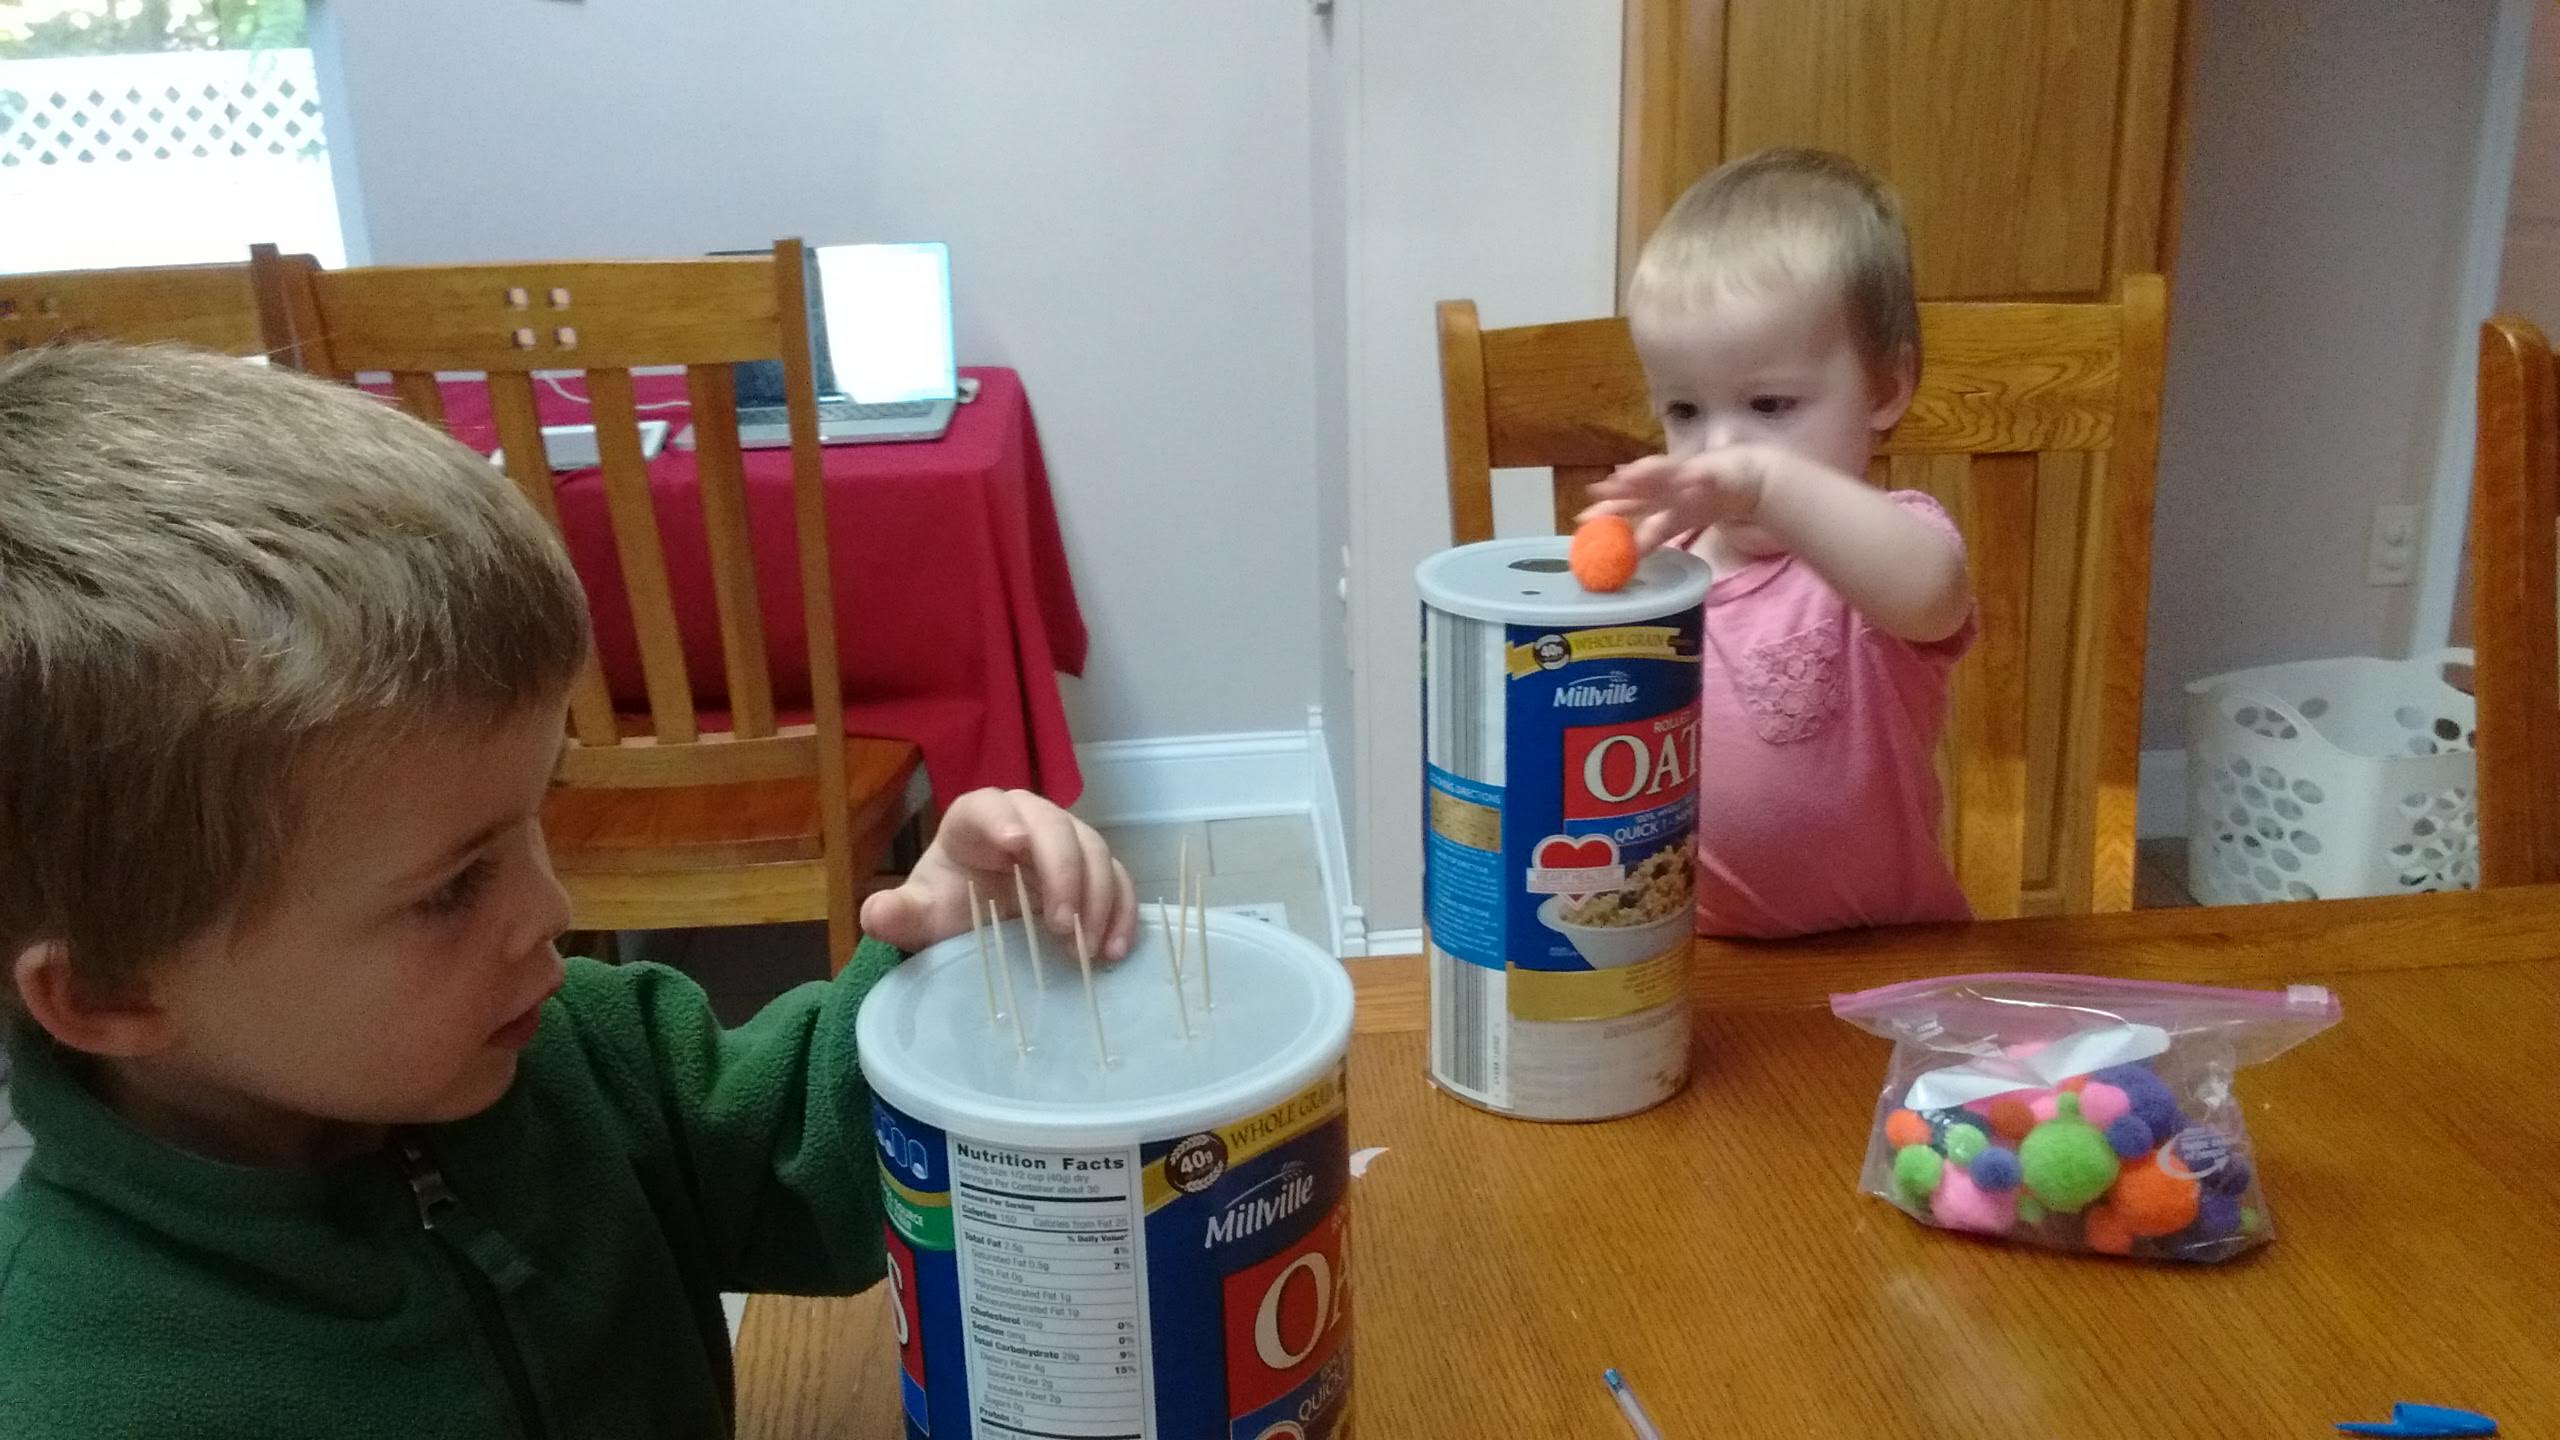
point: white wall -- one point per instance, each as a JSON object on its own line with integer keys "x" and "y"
{"x": 1483, "y": 165}
{"x": 2530, "y": 283}
{"x": 2317, "y": 316}
{"x": 1125, "y": 186}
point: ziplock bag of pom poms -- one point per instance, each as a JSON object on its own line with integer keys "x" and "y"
{"x": 2075, "y": 1111}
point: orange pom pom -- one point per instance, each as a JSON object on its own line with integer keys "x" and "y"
{"x": 2105, "y": 1230}
{"x": 1905, "y": 1127}
{"x": 2152, "y": 1201}
{"x": 2011, "y": 1119}
{"x": 1603, "y": 555}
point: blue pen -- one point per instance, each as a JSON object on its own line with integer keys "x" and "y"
{"x": 1633, "y": 1408}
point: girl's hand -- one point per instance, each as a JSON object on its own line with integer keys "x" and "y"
{"x": 984, "y": 835}
{"x": 1665, "y": 498}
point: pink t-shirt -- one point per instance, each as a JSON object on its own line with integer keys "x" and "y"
{"x": 1818, "y": 807}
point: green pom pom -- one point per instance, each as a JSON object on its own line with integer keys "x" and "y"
{"x": 1964, "y": 1142}
{"x": 2067, "y": 1161}
{"x": 2066, "y": 1106}
{"x": 2251, "y": 1222}
{"x": 2030, "y": 1212}
{"x": 1917, "y": 1169}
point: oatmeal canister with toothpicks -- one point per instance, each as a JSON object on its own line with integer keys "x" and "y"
{"x": 1117, "y": 1211}
{"x": 1560, "y": 749}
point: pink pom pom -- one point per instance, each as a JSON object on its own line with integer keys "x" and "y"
{"x": 2046, "y": 1104}
{"x": 2102, "y": 1104}
{"x": 1962, "y": 1205}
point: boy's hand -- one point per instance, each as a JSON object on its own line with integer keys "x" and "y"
{"x": 1666, "y": 498}
{"x": 984, "y": 835}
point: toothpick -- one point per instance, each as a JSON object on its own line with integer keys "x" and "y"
{"x": 986, "y": 968}
{"x": 1208, "y": 1000}
{"x": 1030, "y": 926}
{"x": 1173, "y": 961}
{"x": 1084, "y": 962}
{"x": 1004, "y": 962}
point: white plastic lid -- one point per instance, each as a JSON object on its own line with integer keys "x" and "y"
{"x": 1282, "y": 1022}
{"x": 1527, "y": 582}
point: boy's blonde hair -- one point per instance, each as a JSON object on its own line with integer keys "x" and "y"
{"x": 212, "y": 576}
{"x": 1794, "y": 216}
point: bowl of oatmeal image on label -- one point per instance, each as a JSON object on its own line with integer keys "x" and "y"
{"x": 1650, "y": 914}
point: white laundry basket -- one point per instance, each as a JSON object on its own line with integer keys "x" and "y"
{"x": 2331, "y": 778}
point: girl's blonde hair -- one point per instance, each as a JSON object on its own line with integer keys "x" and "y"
{"x": 213, "y": 573}
{"x": 1789, "y": 216}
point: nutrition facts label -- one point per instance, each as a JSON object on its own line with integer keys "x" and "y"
{"x": 1048, "y": 1247}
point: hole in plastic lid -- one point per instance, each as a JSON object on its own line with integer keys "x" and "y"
{"x": 1542, "y": 565}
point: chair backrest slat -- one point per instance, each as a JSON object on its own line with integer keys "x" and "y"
{"x": 719, "y": 468}
{"x": 419, "y": 394}
{"x": 528, "y": 463}
{"x": 211, "y": 306}
{"x": 2037, "y": 425}
{"x": 644, "y": 557}
{"x": 2515, "y": 598}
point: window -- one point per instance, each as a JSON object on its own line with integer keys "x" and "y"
{"x": 159, "y": 132}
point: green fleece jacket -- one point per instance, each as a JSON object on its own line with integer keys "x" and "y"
{"x": 551, "y": 1267}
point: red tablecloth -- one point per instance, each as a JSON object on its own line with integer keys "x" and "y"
{"x": 954, "y": 608}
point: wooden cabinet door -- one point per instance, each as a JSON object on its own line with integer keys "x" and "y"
{"x": 2035, "y": 145}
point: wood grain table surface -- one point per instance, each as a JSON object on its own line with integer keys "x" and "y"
{"x": 1716, "y": 1251}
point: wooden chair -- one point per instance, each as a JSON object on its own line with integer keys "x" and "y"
{"x": 2515, "y": 605}
{"x": 658, "y": 822}
{"x": 211, "y": 306}
{"x": 2037, "y": 425}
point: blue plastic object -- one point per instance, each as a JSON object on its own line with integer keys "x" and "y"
{"x": 2424, "y": 1420}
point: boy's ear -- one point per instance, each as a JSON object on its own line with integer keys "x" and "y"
{"x": 77, "y": 1014}
{"x": 1894, "y": 387}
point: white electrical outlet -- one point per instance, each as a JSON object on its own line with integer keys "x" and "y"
{"x": 2391, "y": 553}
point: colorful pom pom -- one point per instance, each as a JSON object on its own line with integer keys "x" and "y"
{"x": 1996, "y": 1170}
{"x": 2066, "y": 1162}
{"x": 2102, "y": 1104}
{"x": 2130, "y": 1137}
{"x": 2150, "y": 1096}
{"x": 1917, "y": 1169}
{"x": 1963, "y": 1142}
{"x": 1962, "y": 1205}
{"x": 2217, "y": 1217}
{"x": 2105, "y": 1231}
{"x": 2153, "y": 1202}
{"x": 2011, "y": 1118}
{"x": 2031, "y": 1211}
{"x": 1603, "y": 553}
{"x": 1905, "y": 1127}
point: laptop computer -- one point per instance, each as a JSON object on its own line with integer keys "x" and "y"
{"x": 880, "y": 344}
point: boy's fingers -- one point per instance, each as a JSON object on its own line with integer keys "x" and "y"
{"x": 1125, "y": 918}
{"x": 1656, "y": 530}
{"x": 984, "y": 830}
{"x": 1099, "y": 886}
{"x": 1058, "y": 860}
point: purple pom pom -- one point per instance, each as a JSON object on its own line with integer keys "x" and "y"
{"x": 2211, "y": 1158}
{"x": 1996, "y": 1170}
{"x": 2129, "y": 1137}
{"x": 2217, "y": 1216}
{"x": 2151, "y": 1098}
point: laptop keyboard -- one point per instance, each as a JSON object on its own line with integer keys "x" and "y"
{"x": 832, "y": 410}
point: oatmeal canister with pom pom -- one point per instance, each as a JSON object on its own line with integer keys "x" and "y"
{"x": 1560, "y": 793}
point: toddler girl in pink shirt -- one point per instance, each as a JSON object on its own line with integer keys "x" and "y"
{"x": 1773, "y": 312}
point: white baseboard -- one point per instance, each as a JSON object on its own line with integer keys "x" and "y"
{"x": 1395, "y": 942}
{"x": 1228, "y": 777}
{"x": 2160, "y": 801}
{"x": 1194, "y": 777}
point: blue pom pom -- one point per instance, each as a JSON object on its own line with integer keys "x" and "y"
{"x": 2151, "y": 1098}
{"x": 2232, "y": 1179}
{"x": 2130, "y": 1137}
{"x": 1996, "y": 1171}
{"x": 2217, "y": 1217}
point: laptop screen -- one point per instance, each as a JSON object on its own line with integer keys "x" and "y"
{"x": 888, "y": 321}
{"x": 759, "y": 382}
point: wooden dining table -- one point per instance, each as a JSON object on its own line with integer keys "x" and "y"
{"x": 1717, "y": 1252}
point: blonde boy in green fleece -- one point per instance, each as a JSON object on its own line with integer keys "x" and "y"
{"x": 329, "y": 1140}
